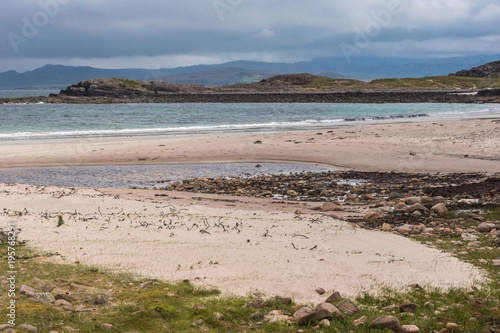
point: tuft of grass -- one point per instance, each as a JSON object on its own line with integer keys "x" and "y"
{"x": 128, "y": 83}
{"x": 60, "y": 221}
{"x": 423, "y": 83}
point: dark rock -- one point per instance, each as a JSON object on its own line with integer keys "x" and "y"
{"x": 98, "y": 300}
{"x": 315, "y": 317}
{"x": 333, "y": 298}
{"x": 320, "y": 291}
{"x": 47, "y": 288}
{"x": 387, "y": 322}
{"x": 258, "y": 303}
{"x": 409, "y": 307}
{"x": 348, "y": 307}
{"x": 257, "y": 316}
{"x": 330, "y": 308}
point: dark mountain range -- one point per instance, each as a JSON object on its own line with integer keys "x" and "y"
{"x": 220, "y": 77}
{"x": 249, "y": 71}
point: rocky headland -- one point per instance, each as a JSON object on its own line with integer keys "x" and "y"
{"x": 291, "y": 88}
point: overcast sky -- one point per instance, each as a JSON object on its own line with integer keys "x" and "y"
{"x": 170, "y": 33}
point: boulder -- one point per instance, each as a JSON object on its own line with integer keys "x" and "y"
{"x": 348, "y": 307}
{"x": 486, "y": 227}
{"x": 332, "y": 207}
{"x": 333, "y": 298}
{"x": 315, "y": 317}
{"x": 439, "y": 209}
{"x": 416, "y": 207}
{"x": 373, "y": 216}
{"x": 413, "y": 200}
{"x": 387, "y": 322}
{"x": 330, "y": 308}
{"x": 302, "y": 312}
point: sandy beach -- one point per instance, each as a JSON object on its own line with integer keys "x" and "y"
{"x": 246, "y": 245}
{"x": 434, "y": 145}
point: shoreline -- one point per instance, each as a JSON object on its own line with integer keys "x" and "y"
{"x": 459, "y": 144}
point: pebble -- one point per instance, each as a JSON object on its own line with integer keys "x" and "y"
{"x": 452, "y": 326}
{"x": 331, "y": 207}
{"x": 409, "y": 307}
{"x": 257, "y": 316}
{"x": 320, "y": 291}
{"x": 47, "y": 288}
{"x": 107, "y": 327}
{"x": 98, "y": 300}
{"x": 28, "y": 327}
{"x": 411, "y": 328}
{"x": 219, "y": 316}
{"x": 198, "y": 322}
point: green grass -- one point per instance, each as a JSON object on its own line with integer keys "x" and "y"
{"x": 128, "y": 83}
{"x": 426, "y": 83}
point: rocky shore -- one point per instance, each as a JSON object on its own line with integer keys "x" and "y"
{"x": 430, "y": 205}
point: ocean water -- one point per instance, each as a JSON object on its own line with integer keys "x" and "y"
{"x": 16, "y": 93}
{"x": 32, "y": 121}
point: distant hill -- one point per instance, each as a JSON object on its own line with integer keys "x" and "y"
{"x": 489, "y": 70}
{"x": 362, "y": 68}
{"x": 220, "y": 77}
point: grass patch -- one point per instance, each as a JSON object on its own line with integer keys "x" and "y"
{"x": 425, "y": 83}
{"x": 60, "y": 221}
{"x": 128, "y": 83}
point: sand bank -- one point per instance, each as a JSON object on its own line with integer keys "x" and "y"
{"x": 425, "y": 146}
{"x": 241, "y": 246}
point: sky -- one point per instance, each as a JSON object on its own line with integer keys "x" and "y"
{"x": 157, "y": 34}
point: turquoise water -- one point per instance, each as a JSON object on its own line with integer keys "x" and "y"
{"x": 29, "y": 121}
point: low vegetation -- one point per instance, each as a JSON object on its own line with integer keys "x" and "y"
{"x": 430, "y": 82}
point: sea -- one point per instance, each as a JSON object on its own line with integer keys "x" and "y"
{"x": 19, "y": 122}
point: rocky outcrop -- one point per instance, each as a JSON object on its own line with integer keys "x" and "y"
{"x": 277, "y": 89}
{"x": 120, "y": 88}
{"x": 489, "y": 70}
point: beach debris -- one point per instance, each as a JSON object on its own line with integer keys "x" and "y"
{"x": 359, "y": 322}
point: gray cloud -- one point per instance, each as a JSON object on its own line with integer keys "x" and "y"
{"x": 71, "y": 31}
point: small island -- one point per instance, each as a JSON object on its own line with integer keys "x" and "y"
{"x": 478, "y": 85}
